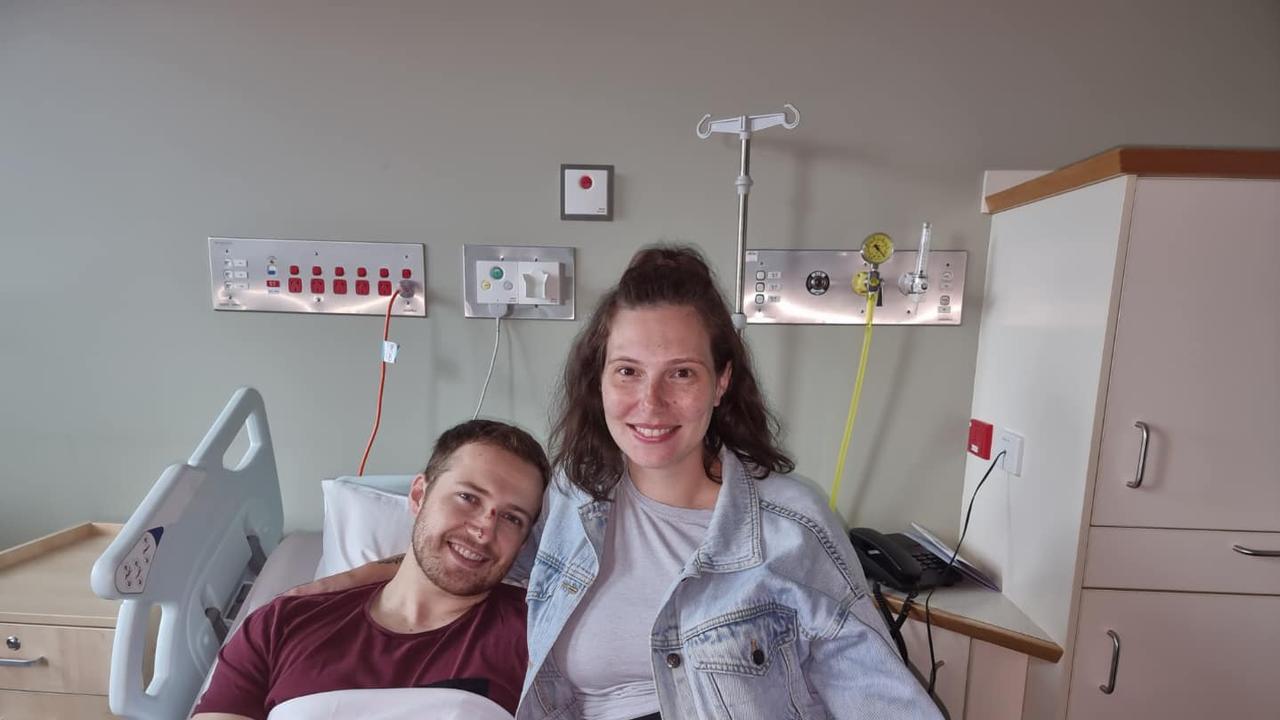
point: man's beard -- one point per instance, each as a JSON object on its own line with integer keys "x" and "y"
{"x": 429, "y": 551}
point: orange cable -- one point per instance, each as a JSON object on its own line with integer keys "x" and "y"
{"x": 382, "y": 382}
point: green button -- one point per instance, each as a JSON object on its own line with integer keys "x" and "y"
{"x": 495, "y": 272}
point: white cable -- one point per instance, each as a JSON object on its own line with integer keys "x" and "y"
{"x": 497, "y": 336}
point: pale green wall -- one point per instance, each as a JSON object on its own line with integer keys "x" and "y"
{"x": 130, "y": 131}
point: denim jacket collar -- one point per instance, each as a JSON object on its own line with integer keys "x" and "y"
{"x": 733, "y": 538}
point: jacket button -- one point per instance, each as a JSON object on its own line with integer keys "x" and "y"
{"x": 673, "y": 660}
{"x": 757, "y": 656}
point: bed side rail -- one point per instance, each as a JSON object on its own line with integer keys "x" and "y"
{"x": 191, "y": 547}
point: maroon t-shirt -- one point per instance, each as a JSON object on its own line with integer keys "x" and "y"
{"x": 298, "y": 646}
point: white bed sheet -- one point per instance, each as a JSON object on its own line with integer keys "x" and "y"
{"x": 390, "y": 704}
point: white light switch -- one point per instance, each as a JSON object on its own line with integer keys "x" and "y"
{"x": 586, "y": 192}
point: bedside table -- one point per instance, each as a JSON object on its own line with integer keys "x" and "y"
{"x": 55, "y": 634}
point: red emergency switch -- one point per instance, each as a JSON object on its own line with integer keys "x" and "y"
{"x": 980, "y": 438}
{"x": 362, "y": 286}
{"x": 406, "y": 273}
{"x": 384, "y": 287}
{"x": 361, "y": 272}
{"x": 317, "y": 286}
{"x": 384, "y": 272}
{"x": 293, "y": 270}
{"x": 295, "y": 285}
{"x": 316, "y": 270}
{"x": 339, "y": 287}
{"x": 339, "y": 271}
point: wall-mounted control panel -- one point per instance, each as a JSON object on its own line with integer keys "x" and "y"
{"x": 815, "y": 287}
{"x": 510, "y": 281}
{"x": 316, "y": 276}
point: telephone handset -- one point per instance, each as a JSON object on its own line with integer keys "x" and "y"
{"x": 899, "y": 562}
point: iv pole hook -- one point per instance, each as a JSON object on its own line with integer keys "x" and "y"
{"x": 743, "y": 126}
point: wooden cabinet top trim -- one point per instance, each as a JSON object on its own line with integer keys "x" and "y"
{"x": 1145, "y": 162}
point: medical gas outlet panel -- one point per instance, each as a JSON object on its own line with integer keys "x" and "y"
{"x": 317, "y": 276}
{"x": 816, "y": 287}
{"x": 521, "y": 282}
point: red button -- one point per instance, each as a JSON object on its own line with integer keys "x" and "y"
{"x": 361, "y": 272}
{"x": 293, "y": 270}
{"x": 339, "y": 271}
{"x": 384, "y": 287}
{"x": 295, "y": 285}
{"x": 340, "y": 287}
{"x": 584, "y": 182}
{"x": 406, "y": 273}
{"x": 362, "y": 286}
{"x": 317, "y": 286}
{"x": 383, "y": 272}
{"x": 273, "y": 283}
{"x": 315, "y": 270}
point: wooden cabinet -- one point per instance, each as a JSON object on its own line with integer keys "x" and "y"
{"x": 49, "y": 615}
{"x": 1195, "y": 356}
{"x": 1129, "y": 334}
{"x": 1197, "y": 352}
{"x": 1181, "y": 656}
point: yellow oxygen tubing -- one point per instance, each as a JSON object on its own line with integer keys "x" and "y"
{"x": 855, "y": 398}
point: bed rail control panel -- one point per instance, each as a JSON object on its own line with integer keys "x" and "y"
{"x": 316, "y": 276}
{"x": 131, "y": 574}
{"x": 815, "y": 287}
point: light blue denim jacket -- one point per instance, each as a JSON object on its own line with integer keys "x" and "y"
{"x": 770, "y": 619}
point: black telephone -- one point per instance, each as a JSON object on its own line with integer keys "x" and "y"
{"x": 899, "y": 562}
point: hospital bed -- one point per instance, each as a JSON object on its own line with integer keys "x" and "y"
{"x": 206, "y": 547}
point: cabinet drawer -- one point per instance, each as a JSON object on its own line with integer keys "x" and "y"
{"x": 76, "y": 659}
{"x": 1182, "y": 656}
{"x": 20, "y": 705}
{"x": 1183, "y": 560}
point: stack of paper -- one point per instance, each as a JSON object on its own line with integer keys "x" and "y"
{"x": 931, "y": 543}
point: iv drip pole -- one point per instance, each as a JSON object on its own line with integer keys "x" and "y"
{"x": 743, "y": 126}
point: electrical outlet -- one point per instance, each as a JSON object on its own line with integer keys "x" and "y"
{"x": 1010, "y": 443}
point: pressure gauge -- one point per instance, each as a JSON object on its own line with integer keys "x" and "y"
{"x": 877, "y": 248}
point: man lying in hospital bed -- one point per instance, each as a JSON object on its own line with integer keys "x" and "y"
{"x": 445, "y": 620}
{"x": 443, "y": 636}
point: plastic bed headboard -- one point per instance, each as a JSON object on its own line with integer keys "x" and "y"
{"x": 192, "y": 547}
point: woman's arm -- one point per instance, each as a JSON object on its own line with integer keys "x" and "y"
{"x": 376, "y": 571}
{"x": 858, "y": 674}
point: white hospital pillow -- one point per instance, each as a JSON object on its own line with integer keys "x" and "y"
{"x": 363, "y": 523}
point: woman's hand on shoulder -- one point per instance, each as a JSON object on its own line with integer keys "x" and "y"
{"x": 376, "y": 571}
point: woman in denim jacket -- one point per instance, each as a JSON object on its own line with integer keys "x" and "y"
{"x": 681, "y": 572}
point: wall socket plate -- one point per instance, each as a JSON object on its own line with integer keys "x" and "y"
{"x": 331, "y": 278}
{"x": 1011, "y": 443}
{"x": 510, "y": 258}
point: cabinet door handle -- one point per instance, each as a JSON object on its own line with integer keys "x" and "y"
{"x": 1110, "y": 687}
{"x": 1142, "y": 454}
{"x": 1255, "y": 553}
{"x": 7, "y": 662}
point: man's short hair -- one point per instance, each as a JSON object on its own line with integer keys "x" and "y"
{"x": 494, "y": 434}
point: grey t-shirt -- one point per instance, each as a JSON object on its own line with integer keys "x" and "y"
{"x": 604, "y": 648}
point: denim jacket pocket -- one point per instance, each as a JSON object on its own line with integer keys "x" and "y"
{"x": 747, "y": 663}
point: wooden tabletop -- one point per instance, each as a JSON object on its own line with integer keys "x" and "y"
{"x": 1141, "y": 161}
{"x": 983, "y": 614}
{"x": 46, "y": 581}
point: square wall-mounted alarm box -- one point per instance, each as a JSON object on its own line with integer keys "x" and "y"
{"x": 586, "y": 192}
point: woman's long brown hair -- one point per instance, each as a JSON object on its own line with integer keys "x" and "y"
{"x": 661, "y": 275}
